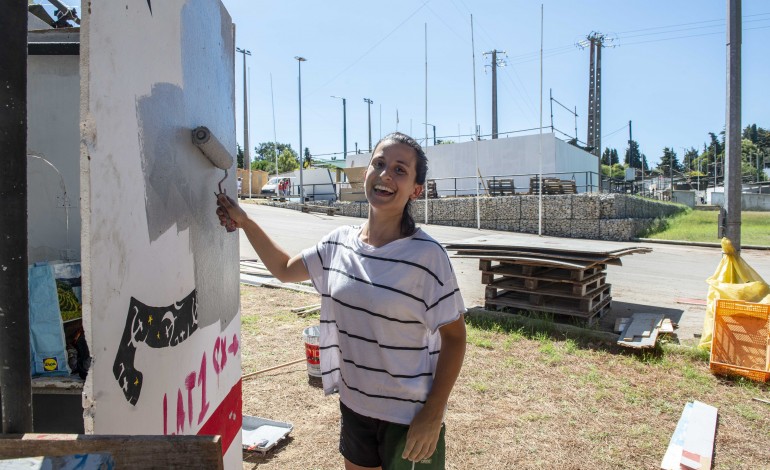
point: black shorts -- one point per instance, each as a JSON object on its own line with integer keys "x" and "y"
{"x": 371, "y": 442}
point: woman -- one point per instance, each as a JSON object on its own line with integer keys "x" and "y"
{"x": 392, "y": 327}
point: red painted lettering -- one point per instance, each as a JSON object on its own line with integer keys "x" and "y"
{"x": 202, "y": 384}
{"x": 179, "y": 412}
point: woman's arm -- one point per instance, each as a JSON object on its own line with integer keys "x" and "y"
{"x": 276, "y": 260}
{"x": 426, "y": 426}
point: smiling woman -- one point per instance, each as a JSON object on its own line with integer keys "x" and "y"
{"x": 392, "y": 337}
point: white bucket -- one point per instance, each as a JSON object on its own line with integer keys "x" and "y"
{"x": 311, "y": 335}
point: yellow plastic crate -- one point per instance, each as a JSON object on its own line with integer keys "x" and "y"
{"x": 741, "y": 343}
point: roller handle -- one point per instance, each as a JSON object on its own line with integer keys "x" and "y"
{"x": 229, "y": 223}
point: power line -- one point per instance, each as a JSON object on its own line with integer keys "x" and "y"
{"x": 374, "y": 46}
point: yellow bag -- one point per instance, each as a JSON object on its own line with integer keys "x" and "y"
{"x": 734, "y": 279}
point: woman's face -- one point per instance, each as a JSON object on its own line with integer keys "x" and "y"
{"x": 391, "y": 176}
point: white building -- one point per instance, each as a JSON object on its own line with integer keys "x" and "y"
{"x": 453, "y": 166}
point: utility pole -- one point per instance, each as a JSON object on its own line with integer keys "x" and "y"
{"x": 301, "y": 154}
{"x": 369, "y": 108}
{"x": 630, "y": 152}
{"x": 15, "y": 382}
{"x": 732, "y": 207}
{"x": 344, "y": 127}
{"x": 495, "y": 63}
{"x": 245, "y": 116}
{"x": 596, "y": 42}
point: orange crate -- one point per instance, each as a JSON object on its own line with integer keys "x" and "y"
{"x": 741, "y": 341}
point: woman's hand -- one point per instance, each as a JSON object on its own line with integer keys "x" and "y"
{"x": 423, "y": 434}
{"x": 226, "y": 206}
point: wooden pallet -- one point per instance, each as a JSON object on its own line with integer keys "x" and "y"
{"x": 501, "y": 187}
{"x": 489, "y": 272}
{"x": 549, "y": 286}
{"x": 552, "y": 186}
{"x": 431, "y": 189}
{"x": 580, "y": 304}
{"x": 558, "y": 306}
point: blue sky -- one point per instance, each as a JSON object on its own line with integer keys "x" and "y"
{"x": 664, "y": 71}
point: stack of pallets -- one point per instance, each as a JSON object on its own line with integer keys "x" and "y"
{"x": 552, "y": 186}
{"x": 559, "y": 277}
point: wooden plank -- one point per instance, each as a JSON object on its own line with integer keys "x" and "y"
{"x": 535, "y": 261}
{"x": 642, "y": 325}
{"x": 168, "y": 452}
{"x": 639, "y": 333}
{"x": 520, "y": 242}
{"x": 484, "y": 252}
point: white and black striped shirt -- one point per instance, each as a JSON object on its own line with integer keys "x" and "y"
{"x": 381, "y": 309}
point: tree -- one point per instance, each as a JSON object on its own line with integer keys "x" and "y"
{"x": 614, "y": 159}
{"x": 287, "y": 161}
{"x": 239, "y": 155}
{"x": 669, "y": 162}
{"x": 633, "y": 157}
{"x": 264, "y": 159}
{"x": 690, "y": 160}
{"x": 308, "y": 158}
{"x": 606, "y": 159}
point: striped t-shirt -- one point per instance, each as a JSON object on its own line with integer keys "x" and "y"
{"x": 381, "y": 309}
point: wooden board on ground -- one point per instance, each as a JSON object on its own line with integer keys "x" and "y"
{"x": 642, "y": 331}
{"x": 170, "y": 452}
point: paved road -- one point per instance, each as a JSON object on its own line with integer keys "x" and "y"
{"x": 652, "y": 282}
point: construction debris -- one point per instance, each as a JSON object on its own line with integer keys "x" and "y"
{"x": 547, "y": 275}
{"x": 254, "y": 273}
{"x": 642, "y": 331}
{"x": 692, "y": 443}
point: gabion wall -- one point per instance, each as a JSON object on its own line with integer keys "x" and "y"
{"x": 617, "y": 217}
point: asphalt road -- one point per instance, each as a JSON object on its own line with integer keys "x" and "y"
{"x": 663, "y": 281}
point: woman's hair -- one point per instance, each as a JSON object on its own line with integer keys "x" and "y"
{"x": 407, "y": 222}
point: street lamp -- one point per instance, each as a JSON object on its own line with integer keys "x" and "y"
{"x": 434, "y": 133}
{"x": 369, "y": 106}
{"x": 245, "y": 116}
{"x": 344, "y": 128}
{"x": 301, "y": 157}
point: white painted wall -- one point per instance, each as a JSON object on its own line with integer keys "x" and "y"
{"x": 53, "y": 161}
{"x": 503, "y": 158}
{"x": 163, "y": 363}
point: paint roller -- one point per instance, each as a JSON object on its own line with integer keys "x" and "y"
{"x": 218, "y": 156}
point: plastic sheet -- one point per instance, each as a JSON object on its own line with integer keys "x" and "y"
{"x": 733, "y": 279}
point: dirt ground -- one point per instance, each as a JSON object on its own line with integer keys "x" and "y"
{"x": 524, "y": 399}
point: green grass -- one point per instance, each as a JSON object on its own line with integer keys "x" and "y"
{"x": 701, "y": 226}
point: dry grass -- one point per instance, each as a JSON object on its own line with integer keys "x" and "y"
{"x": 524, "y": 399}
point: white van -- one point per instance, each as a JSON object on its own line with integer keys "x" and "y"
{"x": 270, "y": 189}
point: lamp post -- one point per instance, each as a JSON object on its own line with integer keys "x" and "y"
{"x": 245, "y": 116}
{"x": 434, "y": 132}
{"x": 301, "y": 156}
{"x": 344, "y": 128}
{"x": 369, "y": 106}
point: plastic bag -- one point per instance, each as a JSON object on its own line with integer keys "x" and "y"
{"x": 48, "y": 351}
{"x": 734, "y": 279}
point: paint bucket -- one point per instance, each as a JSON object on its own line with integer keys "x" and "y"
{"x": 311, "y": 335}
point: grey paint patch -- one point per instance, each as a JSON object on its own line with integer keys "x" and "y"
{"x": 179, "y": 180}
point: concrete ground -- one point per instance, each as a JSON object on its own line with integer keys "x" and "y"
{"x": 669, "y": 280}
